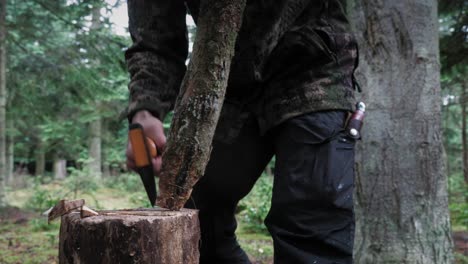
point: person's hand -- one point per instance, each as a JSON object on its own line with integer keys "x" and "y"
{"x": 153, "y": 129}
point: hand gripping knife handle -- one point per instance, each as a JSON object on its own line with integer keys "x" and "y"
{"x": 143, "y": 150}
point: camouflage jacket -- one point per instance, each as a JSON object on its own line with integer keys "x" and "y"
{"x": 291, "y": 57}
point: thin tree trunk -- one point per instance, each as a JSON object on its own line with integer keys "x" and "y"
{"x": 106, "y": 170}
{"x": 95, "y": 148}
{"x": 95, "y": 127}
{"x": 446, "y": 120}
{"x": 10, "y": 165}
{"x": 464, "y": 106}
{"x": 40, "y": 159}
{"x": 3, "y": 95}
{"x": 200, "y": 100}
{"x": 60, "y": 168}
{"x": 401, "y": 185}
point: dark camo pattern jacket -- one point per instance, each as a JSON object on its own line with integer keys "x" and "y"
{"x": 292, "y": 57}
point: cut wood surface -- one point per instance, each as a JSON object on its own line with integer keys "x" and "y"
{"x": 131, "y": 236}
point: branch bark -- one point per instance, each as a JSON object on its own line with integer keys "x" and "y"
{"x": 200, "y": 101}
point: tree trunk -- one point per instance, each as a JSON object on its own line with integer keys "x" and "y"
{"x": 40, "y": 159}
{"x": 95, "y": 148}
{"x": 3, "y": 95}
{"x": 401, "y": 185}
{"x": 200, "y": 101}
{"x": 464, "y": 105}
{"x": 106, "y": 170}
{"x": 130, "y": 236}
{"x": 10, "y": 164}
{"x": 95, "y": 127}
{"x": 60, "y": 168}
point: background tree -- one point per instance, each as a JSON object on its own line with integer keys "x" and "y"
{"x": 56, "y": 46}
{"x": 453, "y": 50}
{"x": 453, "y": 30}
{"x": 3, "y": 96}
{"x": 95, "y": 126}
{"x": 402, "y": 204}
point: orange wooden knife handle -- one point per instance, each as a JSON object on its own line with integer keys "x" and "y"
{"x": 143, "y": 147}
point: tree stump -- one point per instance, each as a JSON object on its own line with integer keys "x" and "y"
{"x": 131, "y": 236}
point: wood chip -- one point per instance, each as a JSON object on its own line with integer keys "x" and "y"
{"x": 87, "y": 212}
{"x": 64, "y": 207}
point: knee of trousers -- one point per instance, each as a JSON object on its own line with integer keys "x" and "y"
{"x": 322, "y": 227}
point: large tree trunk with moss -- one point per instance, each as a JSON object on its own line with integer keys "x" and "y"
{"x": 401, "y": 185}
{"x": 130, "y": 236}
{"x": 3, "y": 98}
{"x": 200, "y": 101}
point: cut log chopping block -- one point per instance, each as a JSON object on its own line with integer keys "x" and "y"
{"x": 131, "y": 236}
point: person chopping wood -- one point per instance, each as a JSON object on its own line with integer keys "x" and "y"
{"x": 290, "y": 91}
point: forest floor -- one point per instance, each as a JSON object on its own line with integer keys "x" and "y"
{"x": 25, "y": 236}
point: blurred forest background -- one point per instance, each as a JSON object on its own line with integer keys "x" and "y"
{"x": 65, "y": 86}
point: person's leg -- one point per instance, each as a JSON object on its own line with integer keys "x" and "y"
{"x": 311, "y": 218}
{"x": 230, "y": 175}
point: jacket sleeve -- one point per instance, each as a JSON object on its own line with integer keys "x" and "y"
{"x": 156, "y": 60}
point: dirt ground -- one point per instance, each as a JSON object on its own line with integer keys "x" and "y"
{"x": 15, "y": 215}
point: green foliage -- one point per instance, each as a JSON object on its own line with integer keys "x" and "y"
{"x": 459, "y": 214}
{"x": 41, "y": 198}
{"x": 458, "y": 202}
{"x": 125, "y": 182}
{"x": 140, "y": 199}
{"x": 82, "y": 181}
{"x": 257, "y": 246}
{"x": 79, "y": 182}
{"x": 65, "y": 74}
{"x": 130, "y": 183}
{"x": 254, "y": 207}
{"x": 453, "y": 20}
{"x": 461, "y": 258}
{"x": 41, "y": 224}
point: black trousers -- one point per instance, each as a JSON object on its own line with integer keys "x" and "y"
{"x": 311, "y": 217}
